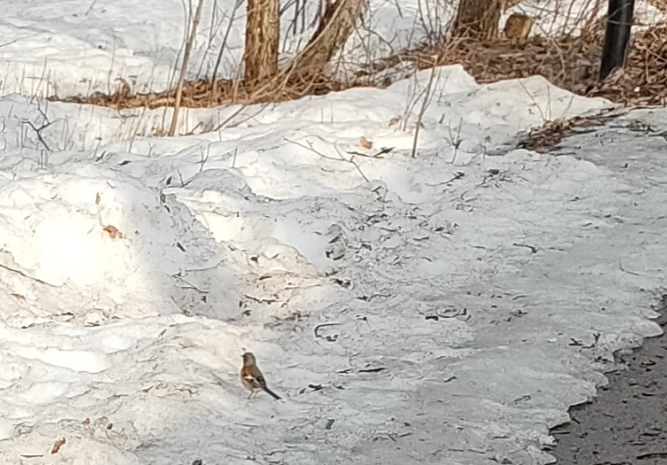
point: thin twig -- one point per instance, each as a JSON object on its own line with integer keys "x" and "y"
{"x": 38, "y": 130}
{"x": 351, "y": 161}
{"x": 456, "y": 142}
{"x": 202, "y": 163}
{"x": 214, "y": 75}
{"x": 424, "y": 104}
{"x": 341, "y": 157}
{"x": 19, "y": 272}
{"x": 227, "y": 120}
{"x": 184, "y": 68}
{"x": 322, "y": 325}
{"x": 377, "y": 155}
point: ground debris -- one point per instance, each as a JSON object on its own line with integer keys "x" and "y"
{"x": 545, "y": 138}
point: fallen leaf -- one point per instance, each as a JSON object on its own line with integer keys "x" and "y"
{"x": 113, "y": 232}
{"x": 17, "y": 296}
{"x": 57, "y": 445}
{"x": 86, "y": 421}
{"x": 97, "y": 198}
{"x": 365, "y": 143}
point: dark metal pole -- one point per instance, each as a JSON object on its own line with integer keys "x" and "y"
{"x": 617, "y": 35}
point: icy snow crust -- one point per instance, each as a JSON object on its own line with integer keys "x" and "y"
{"x": 441, "y": 309}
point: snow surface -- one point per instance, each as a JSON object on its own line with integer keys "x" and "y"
{"x": 246, "y": 238}
{"x": 446, "y": 308}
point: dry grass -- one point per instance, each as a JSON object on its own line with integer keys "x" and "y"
{"x": 570, "y": 63}
{"x": 567, "y": 62}
{"x": 201, "y": 94}
{"x": 545, "y": 138}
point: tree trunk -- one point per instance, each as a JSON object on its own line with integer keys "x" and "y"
{"x": 477, "y": 19}
{"x": 262, "y": 38}
{"x": 334, "y": 29}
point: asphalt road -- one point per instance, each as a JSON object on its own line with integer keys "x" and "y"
{"x": 626, "y": 424}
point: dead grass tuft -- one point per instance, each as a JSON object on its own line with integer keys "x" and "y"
{"x": 571, "y": 63}
{"x": 545, "y": 138}
{"x": 204, "y": 94}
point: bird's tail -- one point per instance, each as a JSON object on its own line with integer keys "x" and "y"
{"x": 271, "y": 393}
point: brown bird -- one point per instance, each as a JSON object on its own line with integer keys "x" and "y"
{"x": 252, "y": 378}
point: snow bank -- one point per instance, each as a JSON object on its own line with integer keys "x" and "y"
{"x": 407, "y": 309}
{"x": 104, "y": 242}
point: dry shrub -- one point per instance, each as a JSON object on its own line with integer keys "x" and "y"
{"x": 568, "y": 62}
{"x": 643, "y": 81}
{"x": 571, "y": 63}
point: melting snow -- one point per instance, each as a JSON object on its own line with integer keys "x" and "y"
{"x": 446, "y": 308}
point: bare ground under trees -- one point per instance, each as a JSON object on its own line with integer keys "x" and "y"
{"x": 568, "y": 62}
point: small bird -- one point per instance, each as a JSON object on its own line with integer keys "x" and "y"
{"x": 252, "y": 378}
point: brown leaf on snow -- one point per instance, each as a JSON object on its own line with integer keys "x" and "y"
{"x": 365, "y": 143}
{"x": 17, "y": 296}
{"x": 113, "y": 232}
{"x": 86, "y": 422}
{"x": 97, "y": 198}
{"x": 57, "y": 445}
